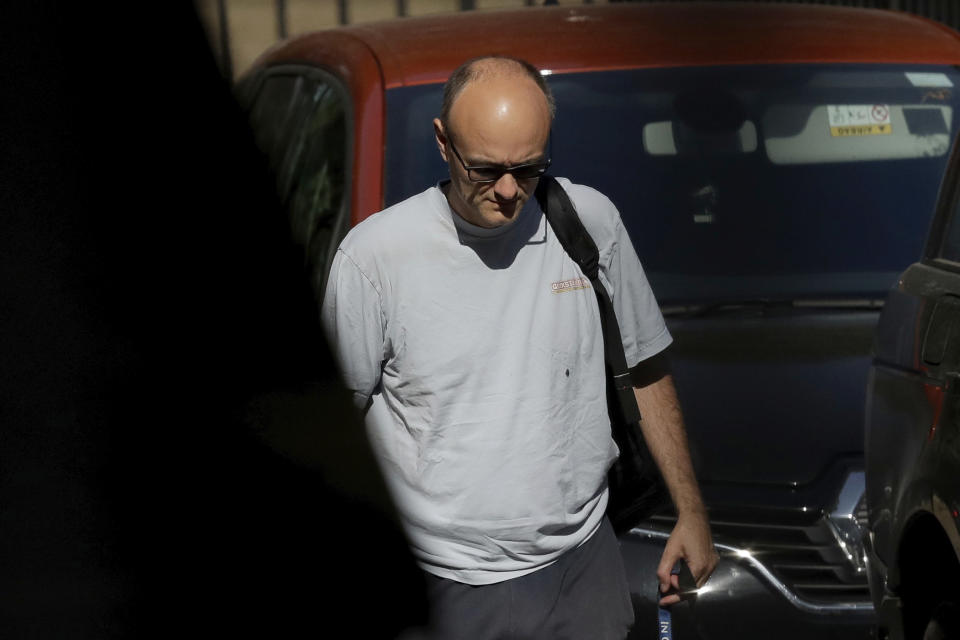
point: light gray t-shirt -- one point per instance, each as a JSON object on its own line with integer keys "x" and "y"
{"x": 480, "y": 356}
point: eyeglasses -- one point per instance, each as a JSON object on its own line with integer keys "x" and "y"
{"x": 492, "y": 173}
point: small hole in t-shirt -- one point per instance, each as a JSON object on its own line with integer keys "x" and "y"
{"x": 567, "y": 373}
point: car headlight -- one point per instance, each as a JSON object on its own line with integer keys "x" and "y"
{"x": 848, "y": 522}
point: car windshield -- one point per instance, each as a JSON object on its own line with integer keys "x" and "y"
{"x": 740, "y": 183}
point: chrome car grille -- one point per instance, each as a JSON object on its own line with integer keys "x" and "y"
{"x": 804, "y": 556}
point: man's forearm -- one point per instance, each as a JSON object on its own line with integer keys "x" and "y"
{"x": 663, "y": 429}
{"x": 666, "y": 436}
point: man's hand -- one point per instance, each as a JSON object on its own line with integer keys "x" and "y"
{"x": 690, "y": 540}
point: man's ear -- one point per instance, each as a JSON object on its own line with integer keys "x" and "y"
{"x": 441, "y": 137}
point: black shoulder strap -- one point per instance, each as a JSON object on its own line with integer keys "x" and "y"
{"x": 576, "y": 241}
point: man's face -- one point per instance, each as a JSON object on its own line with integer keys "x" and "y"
{"x": 497, "y": 121}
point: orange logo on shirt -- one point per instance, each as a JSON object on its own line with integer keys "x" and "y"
{"x": 570, "y": 285}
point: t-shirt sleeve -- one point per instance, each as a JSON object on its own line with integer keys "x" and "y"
{"x": 642, "y": 327}
{"x": 353, "y": 323}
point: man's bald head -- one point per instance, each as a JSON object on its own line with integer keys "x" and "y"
{"x": 496, "y": 115}
{"x": 487, "y": 67}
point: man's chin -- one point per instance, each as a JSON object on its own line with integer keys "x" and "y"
{"x": 506, "y": 212}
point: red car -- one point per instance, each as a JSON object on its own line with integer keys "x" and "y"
{"x": 777, "y": 167}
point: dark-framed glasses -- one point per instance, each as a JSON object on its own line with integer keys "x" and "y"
{"x": 492, "y": 173}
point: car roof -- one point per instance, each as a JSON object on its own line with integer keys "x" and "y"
{"x": 423, "y": 50}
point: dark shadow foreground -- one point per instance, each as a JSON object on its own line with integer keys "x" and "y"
{"x": 177, "y": 456}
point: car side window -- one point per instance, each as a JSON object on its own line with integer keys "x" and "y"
{"x": 301, "y": 122}
{"x": 277, "y": 111}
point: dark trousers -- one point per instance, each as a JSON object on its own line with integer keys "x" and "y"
{"x": 582, "y": 596}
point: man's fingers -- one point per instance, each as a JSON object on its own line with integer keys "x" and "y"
{"x": 698, "y": 572}
{"x": 673, "y": 585}
{"x": 687, "y": 580}
{"x": 668, "y": 600}
{"x": 666, "y": 566}
{"x": 702, "y": 576}
{"x": 702, "y": 571}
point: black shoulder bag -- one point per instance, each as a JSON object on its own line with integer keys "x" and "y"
{"x": 636, "y": 486}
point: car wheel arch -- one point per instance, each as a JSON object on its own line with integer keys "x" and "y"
{"x": 927, "y": 571}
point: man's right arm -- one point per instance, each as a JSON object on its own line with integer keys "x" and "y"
{"x": 352, "y": 319}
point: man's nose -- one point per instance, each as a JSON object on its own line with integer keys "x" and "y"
{"x": 506, "y": 187}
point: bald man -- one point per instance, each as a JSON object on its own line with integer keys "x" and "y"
{"x": 484, "y": 388}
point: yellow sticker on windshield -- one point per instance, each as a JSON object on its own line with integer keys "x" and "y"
{"x": 859, "y": 120}
{"x": 860, "y": 130}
